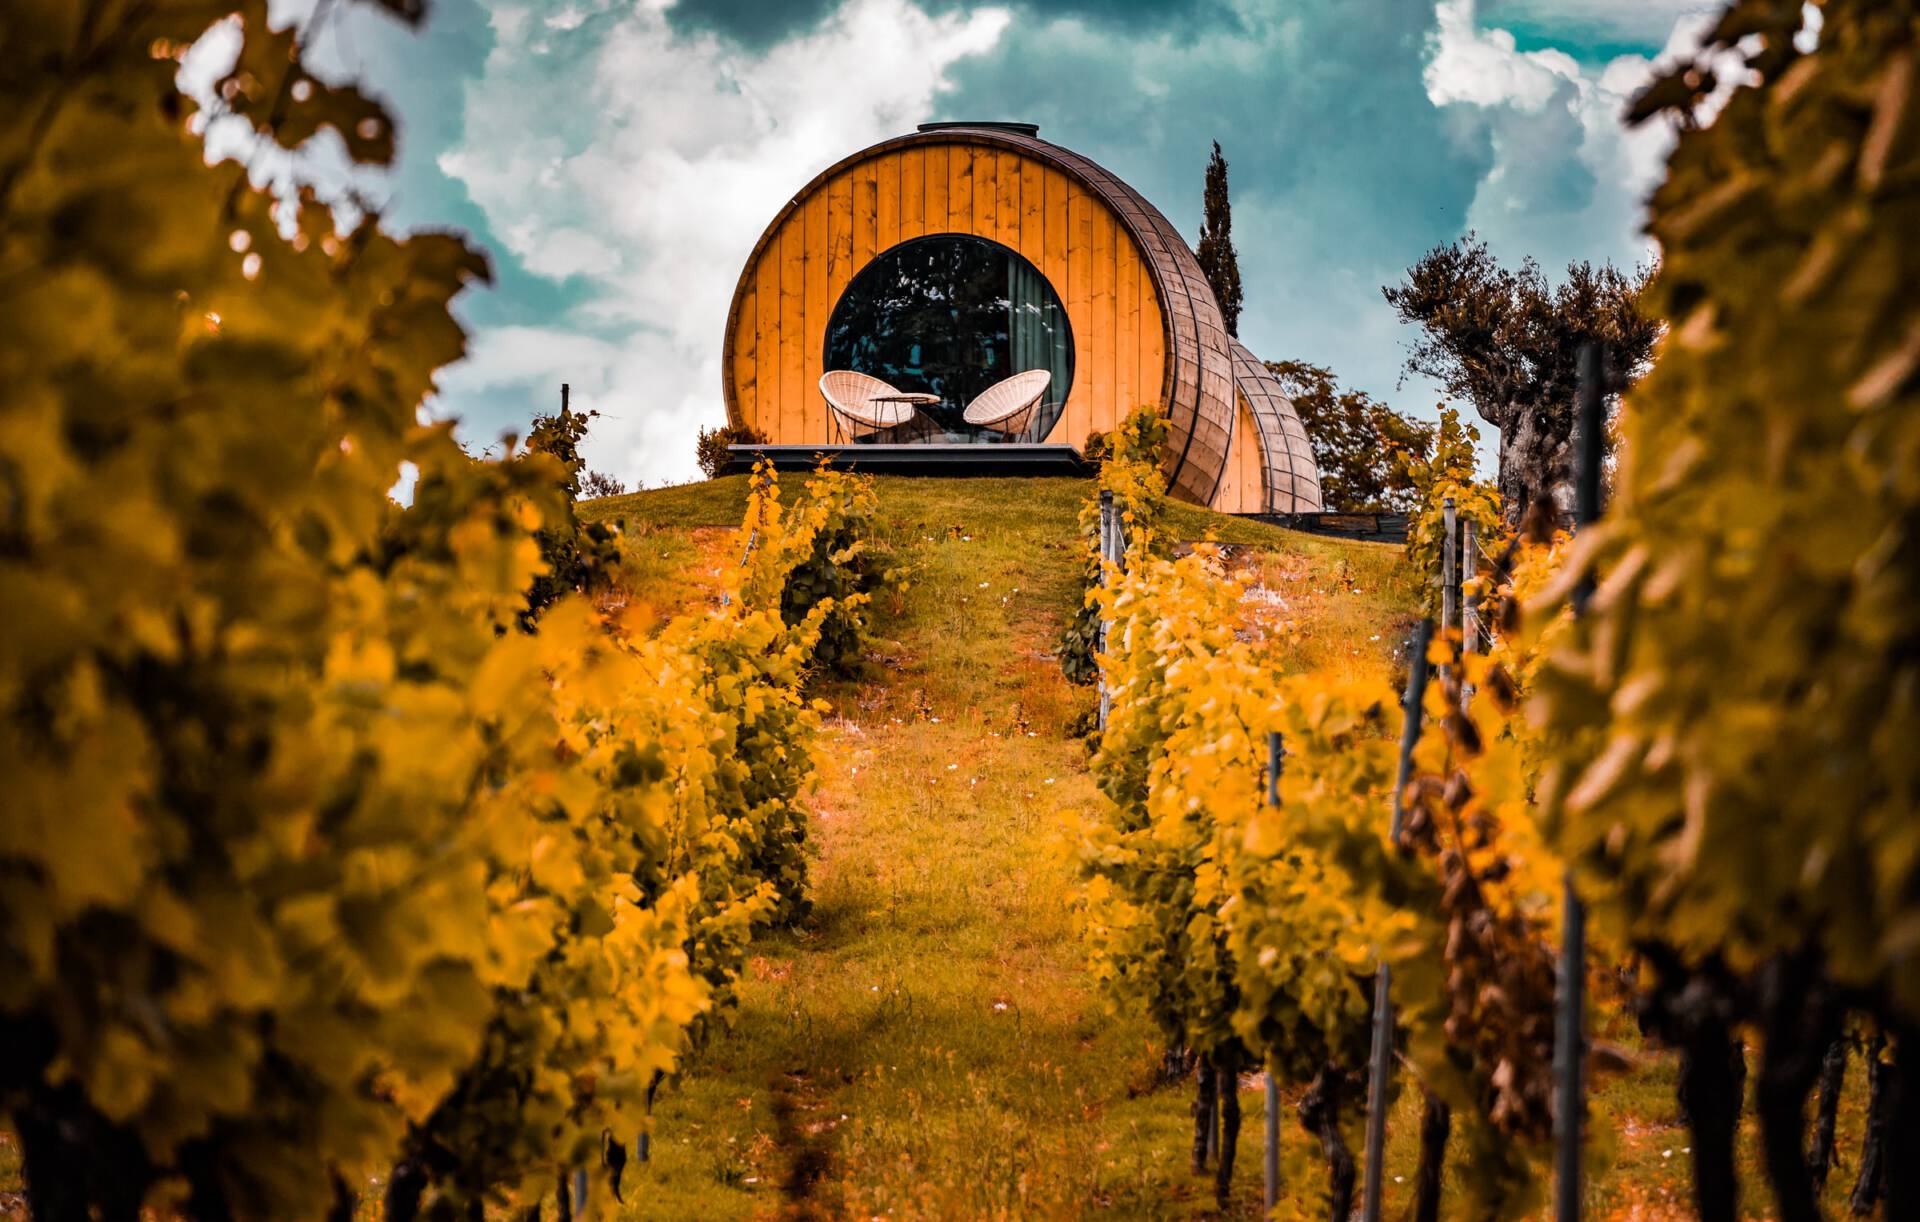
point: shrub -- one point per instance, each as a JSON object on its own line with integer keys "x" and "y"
{"x": 580, "y": 558}
{"x": 712, "y": 446}
{"x": 595, "y": 484}
{"x": 1130, "y": 470}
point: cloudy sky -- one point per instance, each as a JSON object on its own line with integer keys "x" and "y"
{"x": 620, "y": 157}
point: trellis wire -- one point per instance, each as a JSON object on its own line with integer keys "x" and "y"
{"x": 1569, "y": 1051}
{"x": 1469, "y": 608}
{"x": 1106, "y": 558}
{"x": 1271, "y": 1192}
{"x": 1381, "y": 1060}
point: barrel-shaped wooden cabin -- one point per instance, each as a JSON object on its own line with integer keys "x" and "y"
{"x": 946, "y": 261}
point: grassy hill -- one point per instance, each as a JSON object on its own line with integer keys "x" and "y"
{"x": 927, "y": 1044}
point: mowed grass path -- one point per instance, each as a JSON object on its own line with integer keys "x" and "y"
{"x": 927, "y": 1044}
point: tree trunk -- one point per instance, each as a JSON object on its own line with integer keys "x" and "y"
{"x": 1710, "y": 1100}
{"x": 1871, "y": 1182}
{"x": 1436, "y": 1125}
{"x": 206, "y": 1191}
{"x": 643, "y": 1147}
{"x": 614, "y": 1155}
{"x": 1798, "y": 1023}
{"x": 563, "y": 1207}
{"x": 1833, "y": 1074}
{"x": 405, "y": 1187}
{"x": 78, "y": 1165}
{"x": 1227, "y": 1093}
{"x": 1175, "y": 1064}
{"x": 1903, "y": 1126}
{"x": 1536, "y": 464}
{"x": 1320, "y": 1116}
{"x": 1781, "y": 1103}
{"x": 345, "y": 1200}
{"x": 1203, "y": 1105}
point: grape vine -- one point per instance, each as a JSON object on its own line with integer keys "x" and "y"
{"x": 314, "y": 866}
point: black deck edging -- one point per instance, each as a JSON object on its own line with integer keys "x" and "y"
{"x": 1373, "y": 527}
{"x": 941, "y": 460}
{"x": 1019, "y": 460}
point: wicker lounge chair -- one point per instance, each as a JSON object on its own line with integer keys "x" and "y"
{"x": 1007, "y": 406}
{"x": 862, "y": 405}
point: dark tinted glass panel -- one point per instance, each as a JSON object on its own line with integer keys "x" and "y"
{"x": 951, "y": 315}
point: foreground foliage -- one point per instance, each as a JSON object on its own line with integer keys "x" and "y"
{"x": 1732, "y": 765}
{"x": 314, "y": 862}
{"x": 1130, "y": 474}
{"x": 1721, "y": 675}
{"x": 1251, "y": 932}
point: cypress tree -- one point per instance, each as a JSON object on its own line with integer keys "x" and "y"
{"x": 1217, "y": 258}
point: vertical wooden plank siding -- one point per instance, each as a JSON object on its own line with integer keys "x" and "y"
{"x": 1054, "y": 267}
{"x": 1080, "y": 207}
{"x": 766, "y": 353}
{"x": 1239, "y": 485}
{"x": 986, "y": 194}
{"x": 1033, "y": 213}
{"x": 1067, "y": 231}
{"x": 841, "y": 223}
{"x": 866, "y": 214}
{"x": 935, "y": 220}
{"x": 746, "y": 387}
{"x": 819, "y": 241}
{"x": 793, "y": 326}
{"x": 1100, "y": 366}
{"x": 839, "y": 241}
{"x": 959, "y": 189}
{"x": 887, "y": 214}
{"x": 1153, "y": 339}
{"x": 1006, "y": 175}
{"x": 1243, "y": 485}
{"x": 1126, "y": 323}
{"x": 913, "y": 193}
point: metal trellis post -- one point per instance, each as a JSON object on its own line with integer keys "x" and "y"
{"x": 1382, "y": 1058}
{"x": 1569, "y": 1047}
{"x": 1271, "y": 1194}
{"x": 1100, "y": 639}
{"x": 1468, "y": 574}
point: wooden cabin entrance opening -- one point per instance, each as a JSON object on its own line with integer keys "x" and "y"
{"x": 952, "y": 314}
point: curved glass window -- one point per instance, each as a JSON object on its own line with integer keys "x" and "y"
{"x": 950, "y": 315}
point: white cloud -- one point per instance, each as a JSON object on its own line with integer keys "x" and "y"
{"x": 643, "y": 162}
{"x": 1569, "y": 179}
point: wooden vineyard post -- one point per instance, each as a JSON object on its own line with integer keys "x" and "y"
{"x": 1381, "y": 1061}
{"x": 1449, "y": 568}
{"x": 1213, "y": 1115}
{"x": 1270, "y": 1195}
{"x": 1569, "y": 1047}
{"x": 1107, "y": 531}
{"x": 756, "y": 491}
{"x": 1469, "y": 607}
